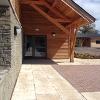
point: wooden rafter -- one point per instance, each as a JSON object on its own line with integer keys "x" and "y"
{"x": 57, "y": 13}
{"x": 81, "y": 12}
{"x": 69, "y": 12}
{"x": 62, "y": 20}
{"x": 76, "y": 23}
{"x": 54, "y": 3}
{"x": 53, "y": 10}
{"x": 30, "y": 1}
{"x": 52, "y": 20}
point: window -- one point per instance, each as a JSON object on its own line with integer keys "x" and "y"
{"x": 97, "y": 41}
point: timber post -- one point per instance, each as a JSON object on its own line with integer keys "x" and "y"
{"x": 72, "y": 43}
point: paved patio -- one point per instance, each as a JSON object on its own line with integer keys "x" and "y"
{"x": 49, "y": 81}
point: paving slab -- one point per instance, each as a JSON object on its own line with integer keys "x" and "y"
{"x": 91, "y": 95}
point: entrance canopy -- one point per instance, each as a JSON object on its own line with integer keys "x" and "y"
{"x": 62, "y": 13}
{"x": 63, "y": 17}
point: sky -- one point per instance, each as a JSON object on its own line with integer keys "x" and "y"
{"x": 92, "y": 7}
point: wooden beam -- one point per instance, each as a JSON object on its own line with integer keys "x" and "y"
{"x": 72, "y": 43}
{"x": 79, "y": 11}
{"x": 62, "y": 20}
{"x": 57, "y": 13}
{"x": 53, "y": 21}
{"x": 54, "y": 3}
{"x": 38, "y": 2}
{"x": 77, "y": 23}
{"x": 54, "y": 11}
{"x": 30, "y": 1}
{"x": 69, "y": 12}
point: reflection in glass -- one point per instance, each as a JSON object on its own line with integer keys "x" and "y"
{"x": 28, "y": 45}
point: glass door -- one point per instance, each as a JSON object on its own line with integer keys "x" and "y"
{"x": 35, "y": 46}
{"x": 28, "y": 46}
{"x": 40, "y": 48}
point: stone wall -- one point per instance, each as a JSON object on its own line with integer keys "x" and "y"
{"x": 10, "y": 55}
{"x": 5, "y": 37}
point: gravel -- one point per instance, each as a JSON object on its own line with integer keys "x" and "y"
{"x": 78, "y": 61}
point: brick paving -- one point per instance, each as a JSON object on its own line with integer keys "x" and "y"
{"x": 85, "y": 78}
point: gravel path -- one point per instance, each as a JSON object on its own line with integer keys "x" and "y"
{"x": 79, "y": 62}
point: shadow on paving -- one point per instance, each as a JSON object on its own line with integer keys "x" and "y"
{"x": 40, "y": 61}
{"x": 85, "y": 78}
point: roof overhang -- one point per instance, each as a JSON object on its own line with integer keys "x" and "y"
{"x": 62, "y": 13}
{"x": 76, "y": 9}
{"x": 79, "y": 10}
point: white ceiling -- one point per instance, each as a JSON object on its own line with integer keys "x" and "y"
{"x": 4, "y": 2}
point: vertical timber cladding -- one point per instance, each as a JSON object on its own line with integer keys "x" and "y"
{"x": 5, "y": 36}
{"x": 57, "y": 47}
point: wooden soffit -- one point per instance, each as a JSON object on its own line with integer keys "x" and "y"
{"x": 62, "y": 13}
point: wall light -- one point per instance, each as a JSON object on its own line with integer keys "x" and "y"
{"x": 53, "y": 34}
{"x": 17, "y": 30}
{"x": 37, "y": 29}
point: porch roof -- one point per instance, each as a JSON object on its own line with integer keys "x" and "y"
{"x": 65, "y": 12}
{"x": 67, "y": 7}
{"x": 60, "y": 16}
{"x": 79, "y": 10}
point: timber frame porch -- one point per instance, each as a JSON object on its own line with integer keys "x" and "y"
{"x": 66, "y": 15}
